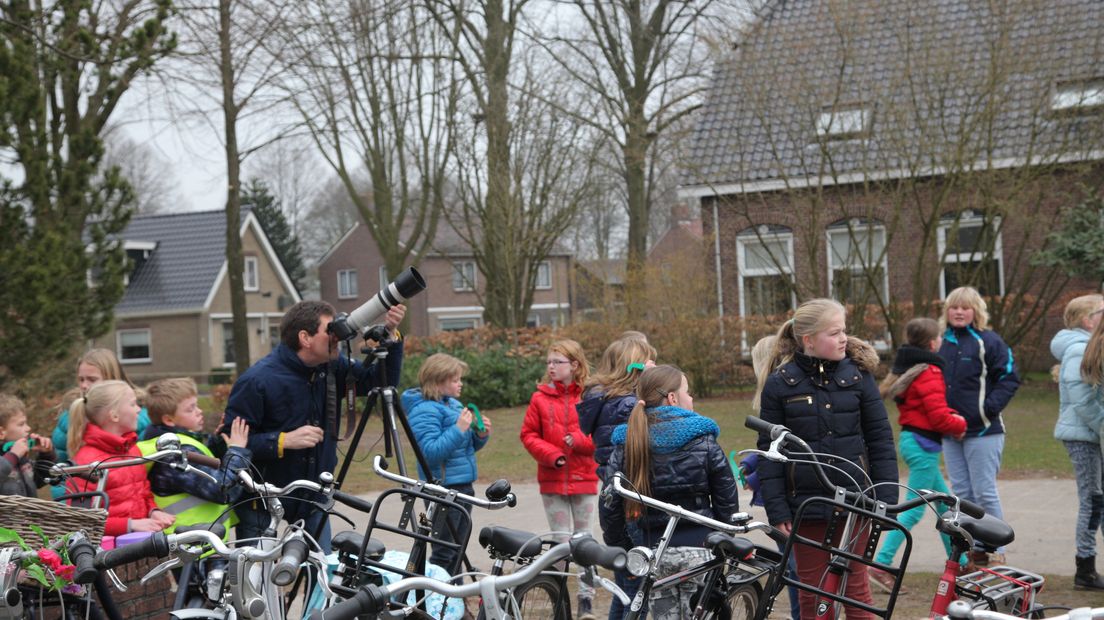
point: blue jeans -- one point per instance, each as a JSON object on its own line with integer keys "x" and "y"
{"x": 972, "y": 466}
{"x": 1089, "y": 473}
{"x": 924, "y": 473}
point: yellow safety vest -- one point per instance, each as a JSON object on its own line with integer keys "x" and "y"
{"x": 189, "y": 509}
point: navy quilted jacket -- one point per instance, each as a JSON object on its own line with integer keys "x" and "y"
{"x": 598, "y": 416}
{"x": 838, "y": 412}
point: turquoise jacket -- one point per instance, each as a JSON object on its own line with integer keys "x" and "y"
{"x": 1080, "y": 406}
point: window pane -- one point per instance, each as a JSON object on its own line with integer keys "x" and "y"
{"x": 769, "y": 255}
{"x": 452, "y": 325}
{"x": 857, "y": 247}
{"x": 463, "y": 276}
{"x": 383, "y": 277}
{"x": 859, "y": 286}
{"x": 228, "y": 343}
{"x": 134, "y": 345}
{"x": 984, "y": 275}
{"x": 544, "y": 275}
{"x": 766, "y": 295}
{"x": 347, "y": 283}
{"x": 250, "y": 276}
{"x": 970, "y": 238}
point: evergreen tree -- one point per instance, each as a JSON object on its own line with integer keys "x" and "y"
{"x": 267, "y": 209}
{"x": 65, "y": 65}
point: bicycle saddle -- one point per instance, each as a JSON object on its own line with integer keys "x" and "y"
{"x": 515, "y": 543}
{"x": 215, "y": 528}
{"x": 988, "y": 530}
{"x": 350, "y": 542}
{"x": 722, "y": 544}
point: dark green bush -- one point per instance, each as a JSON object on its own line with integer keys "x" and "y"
{"x": 497, "y": 377}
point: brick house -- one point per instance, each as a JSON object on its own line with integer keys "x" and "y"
{"x": 885, "y": 152}
{"x": 353, "y": 270}
{"x": 175, "y": 318}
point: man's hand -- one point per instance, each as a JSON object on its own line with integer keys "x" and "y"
{"x": 394, "y": 316}
{"x": 305, "y": 436}
{"x": 239, "y": 434}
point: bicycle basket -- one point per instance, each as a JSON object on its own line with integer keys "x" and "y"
{"x": 53, "y": 518}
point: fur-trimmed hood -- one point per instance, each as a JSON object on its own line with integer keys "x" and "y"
{"x": 903, "y": 382}
{"x": 863, "y": 354}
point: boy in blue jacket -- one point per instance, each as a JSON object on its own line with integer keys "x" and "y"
{"x": 443, "y": 428}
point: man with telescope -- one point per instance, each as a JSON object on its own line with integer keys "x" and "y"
{"x": 291, "y": 398}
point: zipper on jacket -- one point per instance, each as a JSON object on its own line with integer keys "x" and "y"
{"x": 808, "y": 398}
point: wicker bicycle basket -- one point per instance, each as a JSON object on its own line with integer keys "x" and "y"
{"x": 54, "y": 518}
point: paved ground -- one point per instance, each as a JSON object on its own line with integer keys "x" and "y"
{"x": 1042, "y": 511}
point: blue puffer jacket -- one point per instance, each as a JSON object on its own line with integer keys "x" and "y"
{"x": 598, "y": 416}
{"x": 279, "y": 394}
{"x": 449, "y": 452}
{"x": 1080, "y": 409}
{"x": 837, "y": 409}
{"x": 981, "y": 377}
{"x": 695, "y": 475}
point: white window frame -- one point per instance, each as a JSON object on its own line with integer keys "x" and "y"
{"x": 544, "y": 267}
{"x": 1078, "y": 95}
{"x": 476, "y": 321}
{"x": 844, "y": 122}
{"x": 764, "y": 236}
{"x": 847, "y": 229}
{"x": 227, "y": 325}
{"x": 251, "y": 275}
{"x": 346, "y": 280}
{"x": 460, "y": 267}
{"x": 383, "y": 281}
{"x": 134, "y": 360}
{"x": 966, "y": 220}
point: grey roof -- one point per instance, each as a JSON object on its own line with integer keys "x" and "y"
{"x": 921, "y": 67}
{"x": 181, "y": 271}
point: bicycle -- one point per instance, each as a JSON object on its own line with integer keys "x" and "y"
{"x": 859, "y": 511}
{"x": 546, "y": 595}
{"x": 732, "y": 578}
{"x": 961, "y": 610}
{"x": 19, "y": 601}
{"x": 381, "y": 601}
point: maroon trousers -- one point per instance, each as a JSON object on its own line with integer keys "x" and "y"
{"x": 813, "y": 563}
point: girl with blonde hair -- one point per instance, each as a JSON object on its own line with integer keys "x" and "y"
{"x": 981, "y": 379}
{"x": 1080, "y": 350}
{"x": 102, "y": 427}
{"x": 822, "y": 388}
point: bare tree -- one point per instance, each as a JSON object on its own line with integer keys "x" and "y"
{"x": 525, "y": 168}
{"x": 155, "y": 191}
{"x": 374, "y": 88}
{"x": 292, "y": 169}
{"x": 227, "y": 66}
{"x": 642, "y": 65}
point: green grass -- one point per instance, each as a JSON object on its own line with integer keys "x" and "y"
{"x": 1030, "y": 451}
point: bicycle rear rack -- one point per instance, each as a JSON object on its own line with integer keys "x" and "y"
{"x": 1005, "y": 589}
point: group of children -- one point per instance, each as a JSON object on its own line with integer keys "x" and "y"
{"x": 629, "y": 415}
{"x": 102, "y": 422}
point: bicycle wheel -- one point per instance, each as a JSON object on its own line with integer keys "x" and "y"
{"x": 543, "y": 598}
{"x": 739, "y": 604}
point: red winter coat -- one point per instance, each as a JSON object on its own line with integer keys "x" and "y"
{"x": 551, "y": 416}
{"x": 924, "y": 404}
{"x": 128, "y": 489}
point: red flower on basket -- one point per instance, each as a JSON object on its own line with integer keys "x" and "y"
{"x": 49, "y": 565}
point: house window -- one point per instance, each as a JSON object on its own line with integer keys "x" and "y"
{"x": 134, "y": 345}
{"x": 544, "y": 276}
{"x": 972, "y": 254}
{"x": 844, "y": 123}
{"x": 1078, "y": 95}
{"x": 463, "y": 276}
{"x": 346, "y": 284}
{"x": 765, "y": 263}
{"x": 456, "y": 324}
{"x": 857, "y": 270}
{"x": 227, "y": 343}
{"x": 383, "y": 277}
{"x": 252, "y": 276}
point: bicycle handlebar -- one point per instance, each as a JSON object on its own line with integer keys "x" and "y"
{"x": 372, "y": 599}
{"x": 83, "y": 554}
{"x": 380, "y": 466}
{"x": 780, "y": 435}
{"x": 157, "y": 545}
{"x": 961, "y": 610}
{"x": 589, "y": 552}
{"x": 294, "y": 554}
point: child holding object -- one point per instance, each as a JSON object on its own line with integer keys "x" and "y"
{"x": 444, "y": 431}
{"x": 564, "y": 455}
{"x": 916, "y": 384}
{"x": 20, "y": 474}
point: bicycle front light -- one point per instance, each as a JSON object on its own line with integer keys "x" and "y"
{"x": 638, "y": 561}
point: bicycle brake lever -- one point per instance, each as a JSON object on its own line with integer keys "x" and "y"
{"x": 115, "y": 581}
{"x": 613, "y": 589}
{"x": 161, "y": 568}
